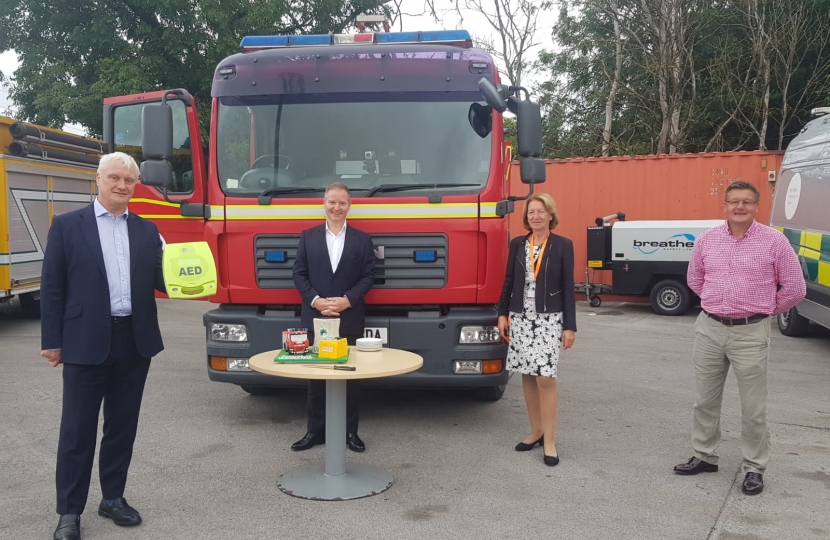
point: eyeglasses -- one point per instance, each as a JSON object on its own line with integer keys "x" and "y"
{"x": 745, "y": 203}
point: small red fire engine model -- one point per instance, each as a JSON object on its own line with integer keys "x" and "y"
{"x": 295, "y": 340}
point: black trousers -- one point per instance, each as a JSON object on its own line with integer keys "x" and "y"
{"x": 119, "y": 383}
{"x": 317, "y": 403}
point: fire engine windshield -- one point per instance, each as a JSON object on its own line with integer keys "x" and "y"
{"x": 295, "y": 144}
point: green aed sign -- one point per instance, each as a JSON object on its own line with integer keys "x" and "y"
{"x": 189, "y": 270}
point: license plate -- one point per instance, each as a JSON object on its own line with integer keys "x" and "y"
{"x": 381, "y": 333}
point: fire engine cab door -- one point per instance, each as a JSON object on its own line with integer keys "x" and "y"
{"x": 122, "y": 131}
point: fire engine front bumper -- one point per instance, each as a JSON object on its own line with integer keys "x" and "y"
{"x": 434, "y": 335}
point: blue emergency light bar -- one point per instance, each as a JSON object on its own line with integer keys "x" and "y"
{"x": 253, "y": 43}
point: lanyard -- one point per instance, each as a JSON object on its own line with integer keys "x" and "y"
{"x": 536, "y": 262}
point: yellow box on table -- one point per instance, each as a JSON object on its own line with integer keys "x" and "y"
{"x": 333, "y": 348}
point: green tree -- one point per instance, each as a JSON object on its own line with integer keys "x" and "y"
{"x": 76, "y": 52}
{"x": 654, "y": 76}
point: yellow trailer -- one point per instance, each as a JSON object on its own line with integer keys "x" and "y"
{"x": 43, "y": 173}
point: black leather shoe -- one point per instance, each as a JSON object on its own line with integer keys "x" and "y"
{"x": 753, "y": 483}
{"x": 695, "y": 466}
{"x": 552, "y": 461}
{"x": 354, "y": 443}
{"x": 69, "y": 528}
{"x": 309, "y": 440}
{"x": 524, "y": 447}
{"x": 121, "y": 513}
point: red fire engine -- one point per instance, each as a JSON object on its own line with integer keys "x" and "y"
{"x": 411, "y": 122}
{"x": 295, "y": 341}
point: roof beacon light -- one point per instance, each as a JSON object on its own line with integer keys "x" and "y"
{"x": 353, "y": 39}
{"x": 455, "y": 37}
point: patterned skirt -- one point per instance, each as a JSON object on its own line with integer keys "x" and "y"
{"x": 535, "y": 341}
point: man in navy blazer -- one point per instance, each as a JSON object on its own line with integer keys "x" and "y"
{"x": 334, "y": 269}
{"x": 99, "y": 319}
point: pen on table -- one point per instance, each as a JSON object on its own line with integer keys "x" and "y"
{"x": 341, "y": 368}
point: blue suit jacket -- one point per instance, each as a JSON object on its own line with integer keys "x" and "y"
{"x": 354, "y": 277}
{"x": 74, "y": 293}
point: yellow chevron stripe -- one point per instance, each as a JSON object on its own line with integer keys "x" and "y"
{"x": 824, "y": 273}
{"x": 811, "y": 245}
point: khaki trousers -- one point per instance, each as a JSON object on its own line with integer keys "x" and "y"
{"x": 746, "y": 349}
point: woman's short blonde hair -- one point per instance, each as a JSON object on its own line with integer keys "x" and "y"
{"x": 550, "y": 208}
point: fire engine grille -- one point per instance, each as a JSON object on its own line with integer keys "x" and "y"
{"x": 406, "y": 261}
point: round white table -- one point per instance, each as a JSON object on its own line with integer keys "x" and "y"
{"x": 338, "y": 480}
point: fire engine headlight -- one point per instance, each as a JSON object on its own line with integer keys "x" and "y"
{"x": 238, "y": 364}
{"x": 466, "y": 367}
{"x": 479, "y": 334}
{"x": 228, "y": 332}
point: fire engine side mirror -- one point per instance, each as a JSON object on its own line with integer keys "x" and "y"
{"x": 157, "y": 131}
{"x": 532, "y": 170}
{"x": 529, "y": 125}
{"x": 156, "y": 172}
{"x": 157, "y": 144}
{"x": 493, "y": 96}
{"x": 481, "y": 119}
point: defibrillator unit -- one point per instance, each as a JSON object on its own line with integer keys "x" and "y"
{"x": 189, "y": 270}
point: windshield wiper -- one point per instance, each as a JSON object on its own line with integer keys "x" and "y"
{"x": 386, "y": 188}
{"x": 266, "y": 196}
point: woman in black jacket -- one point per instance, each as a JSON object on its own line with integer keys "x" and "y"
{"x": 537, "y": 316}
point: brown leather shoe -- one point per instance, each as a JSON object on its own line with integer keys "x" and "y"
{"x": 753, "y": 483}
{"x": 695, "y": 466}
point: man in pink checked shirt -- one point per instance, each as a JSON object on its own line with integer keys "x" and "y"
{"x": 744, "y": 273}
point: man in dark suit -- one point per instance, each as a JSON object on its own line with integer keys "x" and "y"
{"x": 99, "y": 319}
{"x": 333, "y": 271}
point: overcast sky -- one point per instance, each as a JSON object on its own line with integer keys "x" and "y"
{"x": 473, "y": 22}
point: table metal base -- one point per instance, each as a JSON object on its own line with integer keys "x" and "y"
{"x": 312, "y": 482}
{"x": 336, "y": 480}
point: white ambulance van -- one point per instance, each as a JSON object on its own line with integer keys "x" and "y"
{"x": 801, "y": 210}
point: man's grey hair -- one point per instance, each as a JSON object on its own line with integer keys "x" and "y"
{"x": 120, "y": 158}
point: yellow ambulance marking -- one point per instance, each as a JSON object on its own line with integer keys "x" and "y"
{"x": 810, "y": 245}
{"x": 824, "y": 273}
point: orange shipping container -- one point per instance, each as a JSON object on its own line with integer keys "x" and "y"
{"x": 680, "y": 186}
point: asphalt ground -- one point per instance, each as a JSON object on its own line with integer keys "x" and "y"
{"x": 208, "y": 455}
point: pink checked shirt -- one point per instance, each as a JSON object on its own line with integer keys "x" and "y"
{"x": 739, "y": 277}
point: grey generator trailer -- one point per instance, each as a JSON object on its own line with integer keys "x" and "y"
{"x": 646, "y": 258}
{"x": 801, "y": 210}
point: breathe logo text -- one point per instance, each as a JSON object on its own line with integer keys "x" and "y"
{"x": 681, "y": 241}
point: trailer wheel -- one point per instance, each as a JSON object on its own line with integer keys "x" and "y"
{"x": 30, "y": 304}
{"x": 595, "y": 301}
{"x": 670, "y": 297}
{"x": 491, "y": 393}
{"x": 792, "y": 324}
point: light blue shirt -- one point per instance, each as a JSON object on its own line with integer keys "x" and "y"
{"x": 115, "y": 243}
